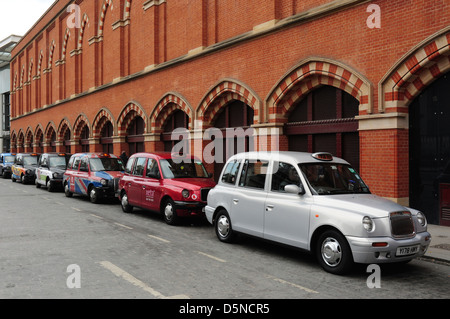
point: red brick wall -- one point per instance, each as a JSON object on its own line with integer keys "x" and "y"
{"x": 170, "y": 30}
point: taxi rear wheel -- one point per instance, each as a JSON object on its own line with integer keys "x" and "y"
{"x": 38, "y": 185}
{"x": 126, "y": 207}
{"x": 169, "y": 212}
{"x": 334, "y": 253}
{"x": 223, "y": 228}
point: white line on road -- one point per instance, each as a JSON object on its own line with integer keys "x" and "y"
{"x": 78, "y": 210}
{"x": 293, "y": 285}
{"x": 212, "y": 257}
{"x": 159, "y": 238}
{"x": 96, "y": 216}
{"x": 131, "y": 279}
{"x": 124, "y": 226}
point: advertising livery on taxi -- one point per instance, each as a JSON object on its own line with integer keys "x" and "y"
{"x": 95, "y": 175}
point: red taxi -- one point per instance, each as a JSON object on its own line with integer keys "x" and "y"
{"x": 172, "y": 185}
{"x": 93, "y": 174}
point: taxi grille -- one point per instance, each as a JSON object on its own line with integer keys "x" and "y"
{"x": 204, "y": 193}
{"x": 402, "y": 224}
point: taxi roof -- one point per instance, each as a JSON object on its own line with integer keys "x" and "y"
{"x": 96, "y": 155}
{"x": 287, "y": 156}
{"x": 162, "y": 155}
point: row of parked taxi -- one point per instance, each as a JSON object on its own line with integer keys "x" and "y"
{"x": 315, "y": 202}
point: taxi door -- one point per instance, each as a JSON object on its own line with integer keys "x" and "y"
{"x": 248, "y": 199}
{"x": 286, "y": 215}
{"x": 152, "y": 188}
{"x": 135, "y": 182}
{"x": 82, "y": 176}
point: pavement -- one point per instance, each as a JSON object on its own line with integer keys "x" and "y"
{"x": 439, "y": 248}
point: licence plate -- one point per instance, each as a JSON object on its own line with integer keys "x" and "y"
{"x": 410, "y": 250}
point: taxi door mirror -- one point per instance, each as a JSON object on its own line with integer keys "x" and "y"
{"x": 294, "y": 189}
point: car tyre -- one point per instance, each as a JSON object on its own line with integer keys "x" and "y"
{"x": 22, "y": 179}
{"x": 67, "y": 192}
{"x": 169, "y": 212}
{"x": 126, "y": 207}
{"x": 223, "y": 227}
{"x": 93, "y": 195}
{"x": 333, "y": 252}
{"x": 50, "y": 186}
{"x": 38, "y": 185}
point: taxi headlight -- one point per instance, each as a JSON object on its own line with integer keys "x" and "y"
{"x": 368, "y": 223}
{"x": 104, "y": 182}
{"x": 185, "y": 193}
{"x": 56, "y": 175}
{"x": 29, "y": 172}
{"x": 421, "y": 218}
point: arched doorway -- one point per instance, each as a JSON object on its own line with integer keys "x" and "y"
{"x": 429, "y": 151}
{"x": 106, "y": 139}
{"x": 324, "y": 120}
{"x": 233, "y": 120}
{"x": 135, "y": 135}
{"x": 178, "y": 119}
{"x": 84, "y": 139}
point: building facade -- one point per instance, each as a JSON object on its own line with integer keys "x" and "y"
{"x": 6, "y": 46}
{"x": 365, "y": 80}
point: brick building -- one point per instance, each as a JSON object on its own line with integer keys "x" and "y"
{"x": 365, "y": 80}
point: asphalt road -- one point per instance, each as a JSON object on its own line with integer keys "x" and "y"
{"x": 57, "y": 247}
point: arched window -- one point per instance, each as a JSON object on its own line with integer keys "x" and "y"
{"x": 178, "y": 119}
{"x": 106, "y": 139}
{"x": 325, "y": 121}
{"x": 135, "y": 137}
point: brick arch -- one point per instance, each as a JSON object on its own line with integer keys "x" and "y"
{"x": 29, "y": 135}
{"x": 64, "y": 46}
{"x": 13, "y": 139}
{"x": 49, "y": 131}
{"x": 79, "y": 124}
{"x": 165, "y": 107}
{"x": 50, "y": 55}
{"x": 39, "y": 65}
{"x": 414, "y": 72}
{"x": 38, "y": 132}
{"x": 222, "y": 94}
{"x": 20, "y": 139}
{"x": 128, "y": 114}
{"x": 103, "y": 116}
{"x": 106, "y": 4}
{"x": 84, "y": 22}
{"x": 313, "y": 73}
{"x": 64, "y": 125}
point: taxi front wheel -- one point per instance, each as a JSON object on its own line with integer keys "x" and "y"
{"x": 67, "y": 192}
{"x": 169, "y": 212}
{"x": 334, "y": 253}
{"x": 126, "y": 207}
{"x": 94, "y": 195}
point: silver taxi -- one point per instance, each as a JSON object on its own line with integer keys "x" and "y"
{"x": 315, "y": 202}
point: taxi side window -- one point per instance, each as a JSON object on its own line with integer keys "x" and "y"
{"x": 69, "y": 165}
{"x": 84, "y": 167}
{"x": 139, "y": 167}
{"x": 230, "y": 173}
{"x": 76, "y": 162}
{"x": 254, "y": 174}
{"x": 129, "y": 165}
{"x": 152, "y": 168}
{"x": 284, "y": 174}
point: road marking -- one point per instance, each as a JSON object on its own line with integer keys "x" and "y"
{"x": 124, "y": 226}
{"x": 159, "y": 238}
{"x": 78, "y": 210}
{"x": 212, "y": 257}
{"x": 59, "y": 203}
{"x": 131, "y": 279}
{"x": 96, "y": 216}
{"x": 293, "y": 285}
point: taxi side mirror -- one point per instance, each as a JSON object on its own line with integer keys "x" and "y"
{"x": 294, "y": 189}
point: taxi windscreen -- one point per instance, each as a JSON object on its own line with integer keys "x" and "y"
{"x": 188, "y": 168}
{"x": 105, "y": 164}
{"x": 9, "y": 159}
{"x": 332, "y": 178}
{"x": 30, "y": 160}
{"x": 58, "y": 161}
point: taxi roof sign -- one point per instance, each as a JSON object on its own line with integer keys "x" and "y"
{"x": 323, "y": 156}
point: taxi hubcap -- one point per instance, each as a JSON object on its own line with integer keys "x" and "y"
{"x": 124, "y": 201}
{"x": 331, "y": 252}
{"x": 168, "y": 211}
{"x": 223, "y": 226}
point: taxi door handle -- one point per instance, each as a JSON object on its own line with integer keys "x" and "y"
{"x": 143, "y": 186}
{"x": 269, "y": 208}
{"x": 235, "y": 200}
